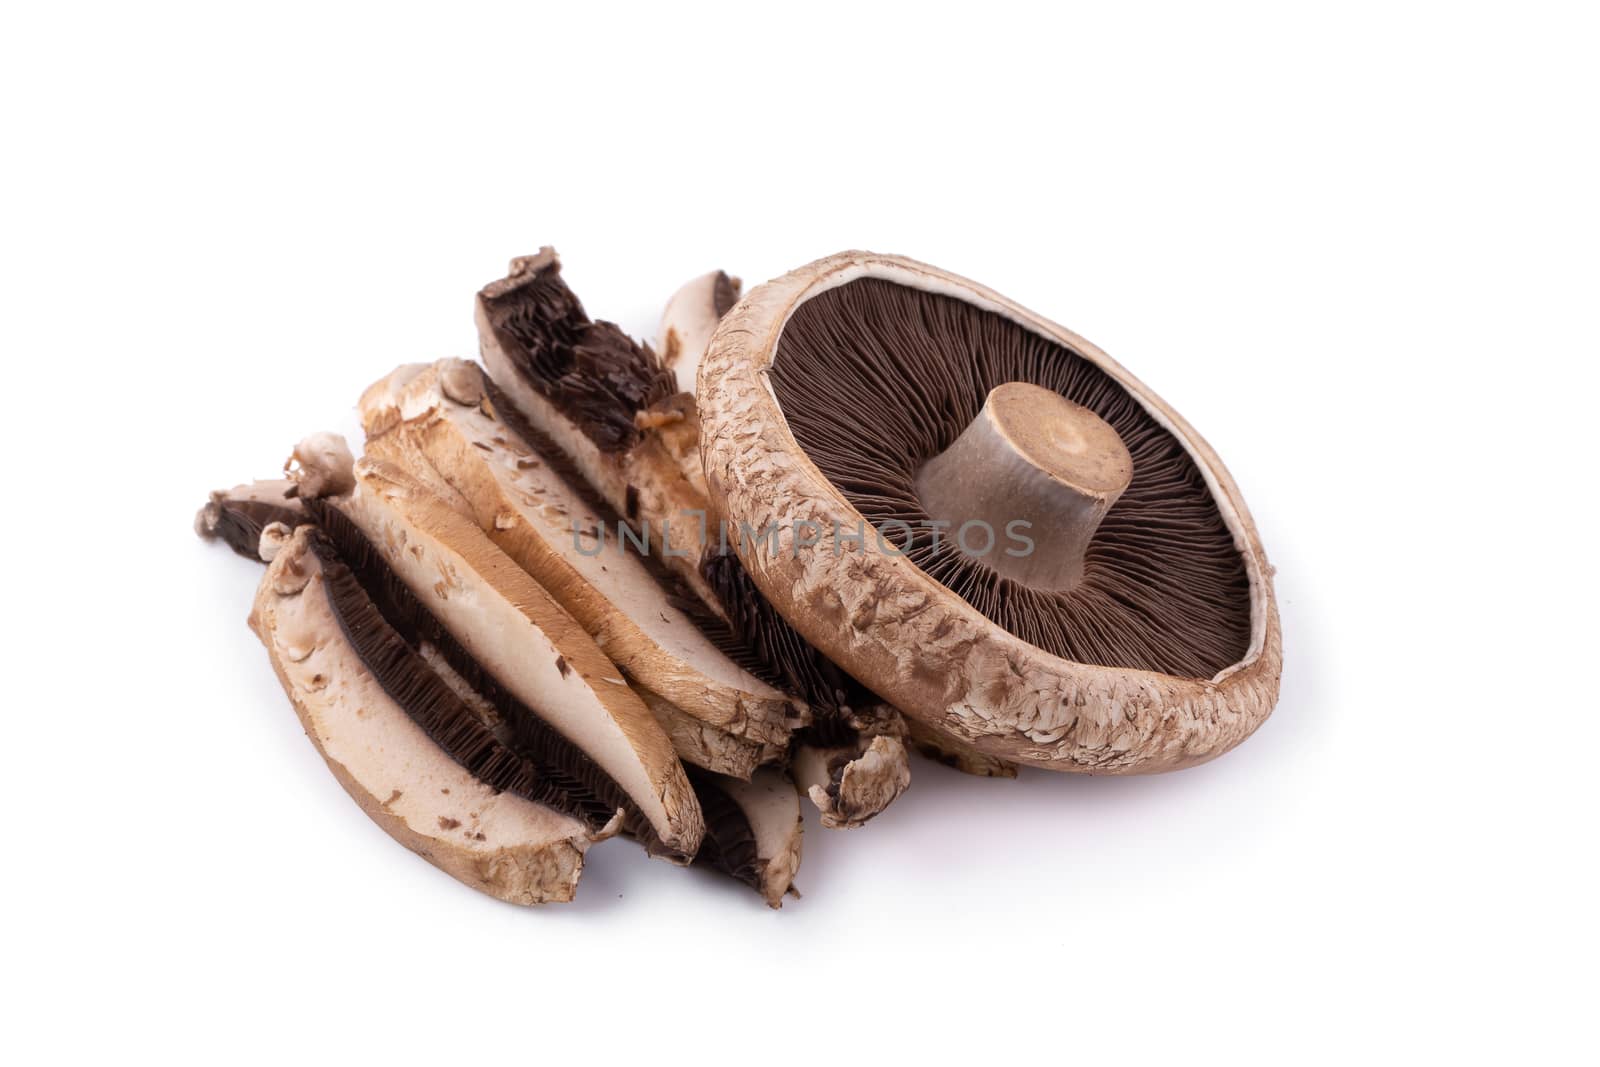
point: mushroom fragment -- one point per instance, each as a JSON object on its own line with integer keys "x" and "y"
{"x": 494, "y": 841}
{"x": 753, "y": 830}
{"x": 873, "y": 394}
{"x": 238, "y": 517}
{"x": 440, "y": 424}
{"x": 851, "y": 783}
{"x": 698, "y": 742}
{"x": 606, "y": 403}
{"x": 523, "y": 645}
{"x": 320, "y": 465}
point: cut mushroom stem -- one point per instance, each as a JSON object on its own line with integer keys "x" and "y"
{"x": 1024, "y": 487}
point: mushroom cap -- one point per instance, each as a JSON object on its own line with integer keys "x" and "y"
{"x": 912, "y": 640}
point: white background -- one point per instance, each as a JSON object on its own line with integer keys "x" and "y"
{"x": 1356, "y": 247}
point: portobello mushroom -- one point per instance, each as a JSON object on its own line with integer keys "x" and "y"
{"x": 493, "y": 840}
{"x": 439, "y": 422}
{"x": 1135, "y": 632}
{"x": 522, "y": 647}
{"x": 609, "y": 405}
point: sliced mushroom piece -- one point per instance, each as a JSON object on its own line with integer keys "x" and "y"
{"x": 1131, "y": 628}
{"x": 494, "y": 841}
{"x": 688, "y": 322}
{"x": 525, "y": 645}
{"x": 237, "y": 517}
{"x": 439, "y": 422}
{"x": 606, "y": 403}
{"x": 753, "y": 830}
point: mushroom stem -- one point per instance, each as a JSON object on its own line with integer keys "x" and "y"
{"x": 1026, "y": 484}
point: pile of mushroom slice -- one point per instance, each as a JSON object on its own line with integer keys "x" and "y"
{"x": 584, "y": 591}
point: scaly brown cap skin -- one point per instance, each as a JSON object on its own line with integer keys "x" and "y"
{"x": 915, "y": 642}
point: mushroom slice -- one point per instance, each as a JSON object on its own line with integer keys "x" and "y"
{"x": 238, "y": 516}
{"x": 606, "y": 403}
{"x": 688, "y": 322}
{"x": 494, "y": 841}
{"x": 1110, "y": 608}
{"x": 851, "y": 783}
{"x": 523, "y": 645}
{"x": 439, "y": 422}
{"x": 753, "y": 830}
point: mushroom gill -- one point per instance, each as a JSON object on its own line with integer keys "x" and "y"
{"x": 880, "y": 383}
{"x": 730, "y": 842}
{"x": 590, "y": 370}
